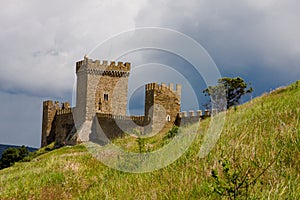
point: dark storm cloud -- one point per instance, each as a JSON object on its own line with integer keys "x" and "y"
{"x": 258, "y": 40}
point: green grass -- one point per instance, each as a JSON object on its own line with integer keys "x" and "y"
{"x": 255, "y": 134}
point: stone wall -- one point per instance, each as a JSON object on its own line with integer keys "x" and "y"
{"x": 111, "y": 95}
{"x": 183, "y": 118}
{"x": 162, "y": 104}
{"x": 57, "y": 122}
{"x": 62, "y": 127}
{"x": 116, "y": 125}
{"x": 49, "y": 112}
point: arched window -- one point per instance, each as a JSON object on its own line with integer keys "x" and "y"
{"x": 168, "y": 118}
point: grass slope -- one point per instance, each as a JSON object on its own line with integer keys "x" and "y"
{"x": 260, "y": 143}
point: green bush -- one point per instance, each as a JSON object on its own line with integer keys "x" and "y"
{"x": 12, "y": 155}
{"x": 171, "y": 133}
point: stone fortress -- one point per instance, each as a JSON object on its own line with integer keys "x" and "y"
{"x": 101, "y": 103}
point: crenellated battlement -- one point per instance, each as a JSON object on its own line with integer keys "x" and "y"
{"x": 198, "y": 113}
{"x": 164, "y": 86}
{"x": 122, "y": 117}
{"x": 64, "y": 111}
{"x": 96, "y": 67}
{"x": 60, "y": 108}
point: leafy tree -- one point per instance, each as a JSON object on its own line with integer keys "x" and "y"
{"x": 228, "y": 92}
{"x": 12, "y": 155}
{"x": 23, "y": 152}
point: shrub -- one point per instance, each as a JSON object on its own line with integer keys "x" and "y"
{"x": 171, "y": 133}
{"x": 12, "y": 155}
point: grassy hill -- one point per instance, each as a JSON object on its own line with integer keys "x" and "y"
{"x": 257, "y": 156}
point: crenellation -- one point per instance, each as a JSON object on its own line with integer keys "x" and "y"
{"x": 127, "y": 65}
{"x": 178, "y": 90}
{"x": 97, "y": 62}
{"x": 112, "y": 64}
{"x": 64, "y": 111}
{"x": 65, "y": 105}
{"x": 105, "y": 62}
{"x": 191, "y": 113}
{"x": 47, "y": 103}
{"x": 123, "y": 117}
{"x": 163, "y": 86}
{"x": 199, "y": 113}
{"x": 95, "y": 67}
{"x": 120, "y": 64}
{"x": 214, "y": 112}
{"x": 183, "y": 114}
{"x": 78, "y": 65}
{"x": 206, "y": 113}
{"x": 171, "y": 87}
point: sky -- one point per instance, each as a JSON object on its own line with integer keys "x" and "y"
{"x": 42, "y": 40}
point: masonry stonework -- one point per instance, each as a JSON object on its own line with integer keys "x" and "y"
{"x": 101, "y": 98}
{"x": 162, "y": 104}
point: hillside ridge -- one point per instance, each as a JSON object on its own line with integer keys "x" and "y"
{"x": 259, "y": 148}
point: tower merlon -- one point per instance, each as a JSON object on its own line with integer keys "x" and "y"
{"x": 199, "y": 113}
{"x": 178, "y": 89}
{"x": 191, "y": 113}
{"x": 171, "y": 87}
{"x": 206, "y": 113}
{"x": 48, "y": 103}
{"x": 183, "y": 114}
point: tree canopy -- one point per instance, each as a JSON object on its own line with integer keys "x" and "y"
{"x": 12, "y": 155}
{"x": 228, "y": 92}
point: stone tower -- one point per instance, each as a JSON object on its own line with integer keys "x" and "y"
{"x": 101, "y": 88}
{"x": 162, "y": 104}
{"x": 49, "y": 112}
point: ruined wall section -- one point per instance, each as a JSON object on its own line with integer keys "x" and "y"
{"x": 57, "y": 120}
{"x": 49, "y": 112}
{"x": 162, "y": 104}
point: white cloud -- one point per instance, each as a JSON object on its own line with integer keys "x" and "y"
{"x": 42, "y": 40}
{"x": 40, "y": 43}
